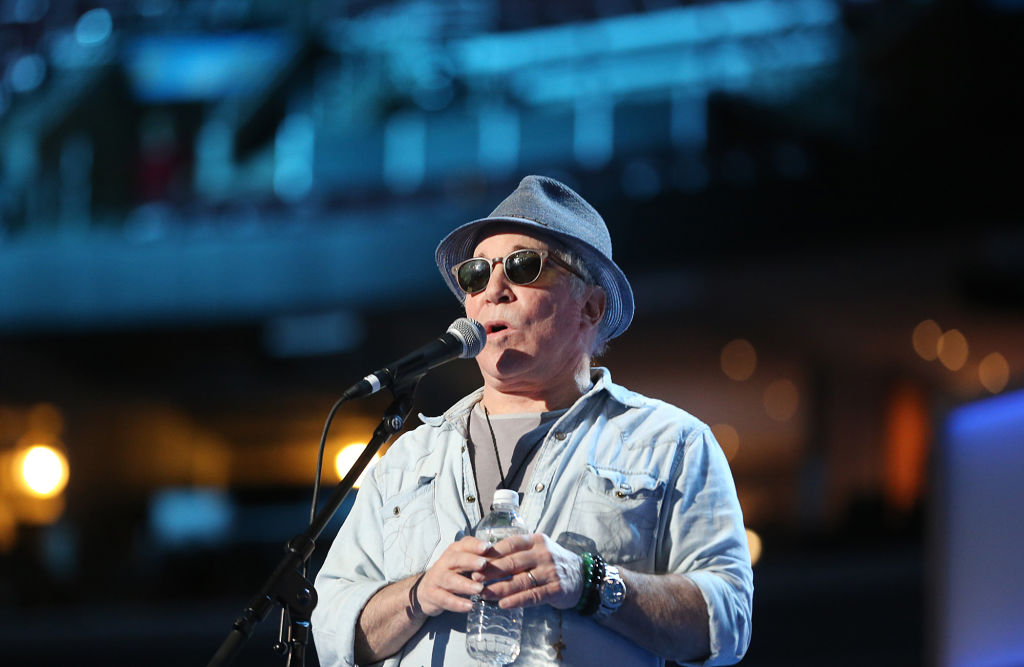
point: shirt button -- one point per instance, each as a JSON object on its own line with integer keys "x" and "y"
{"x": 539, "y": 488}
{"x": 395, "y": 511}
{"x": 560, "y": 435}
{"x": 470, "y": 499}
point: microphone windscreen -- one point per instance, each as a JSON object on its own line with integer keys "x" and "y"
{"x": 472, "y": 335}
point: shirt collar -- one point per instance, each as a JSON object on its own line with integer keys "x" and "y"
{"x": 602, "y": 382}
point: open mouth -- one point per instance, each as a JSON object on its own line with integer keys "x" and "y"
{"x": 495, "y": 327}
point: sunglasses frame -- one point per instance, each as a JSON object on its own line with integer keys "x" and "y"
{"x": 545, "y": 255}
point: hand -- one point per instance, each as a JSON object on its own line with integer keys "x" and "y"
{"x": 555, "y": 573}
{"x": 445, "y": 585}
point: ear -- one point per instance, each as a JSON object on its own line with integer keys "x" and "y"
{"x": 592, "y": 308}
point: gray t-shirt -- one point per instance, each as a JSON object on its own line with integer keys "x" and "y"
{"x": 517, "y": 438}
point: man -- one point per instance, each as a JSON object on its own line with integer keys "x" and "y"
{"x": 638, "y": 551}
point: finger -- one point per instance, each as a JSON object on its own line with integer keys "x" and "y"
{"x": 510, "y": 585}
{"x": 454, "y": 582}
{"x": 440, "y": 590}
{"x": 435, "y": 601}
{"x": 511, "y": 545}
{"x": 550, "y": 589}
{"x": 457, "y": 604}
{"x": 462, "y": 562}
{"x": 504, "y": 569}
{"x": 497, "y": 570}
{"x": 489, "y": 575}
{"x": 531, "y": 597}
{"x": 469, "y": 544}
{"x": 514, "y": 563}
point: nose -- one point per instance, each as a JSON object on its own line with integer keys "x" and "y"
{"x": 499, "y": 289}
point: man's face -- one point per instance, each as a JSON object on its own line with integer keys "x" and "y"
{"x": 537, "y": 334}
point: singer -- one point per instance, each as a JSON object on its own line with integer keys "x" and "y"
{"x": 638, "y": 552}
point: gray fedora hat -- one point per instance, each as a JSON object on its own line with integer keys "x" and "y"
{"x": 546, "y": 205}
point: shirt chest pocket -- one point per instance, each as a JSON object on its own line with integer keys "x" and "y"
{"x": 617, "y": 513}
{"x": 410, "y": 530}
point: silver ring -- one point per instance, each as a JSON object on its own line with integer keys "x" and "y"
{"x": 530, "y": 575}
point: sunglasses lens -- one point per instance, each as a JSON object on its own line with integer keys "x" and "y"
{"x": 523, "y": 266}
{"x": 473, "y": 275}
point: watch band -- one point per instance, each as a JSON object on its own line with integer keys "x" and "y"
{"x": 611, "y": 591}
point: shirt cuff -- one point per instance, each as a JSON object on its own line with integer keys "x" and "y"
{"x": 728, "y": 619}
{"x": 335, "y": 617}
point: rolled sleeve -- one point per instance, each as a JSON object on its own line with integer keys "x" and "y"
{"x": 350, "y": 576}
{"x": 335, "y": 618}
{"x": 728, "y": 619}
{"x": 707, "y": 543}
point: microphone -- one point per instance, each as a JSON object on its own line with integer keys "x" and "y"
{"x": 464, "y": 339}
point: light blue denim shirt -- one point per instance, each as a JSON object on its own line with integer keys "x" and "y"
{"x": 634, "y": 479}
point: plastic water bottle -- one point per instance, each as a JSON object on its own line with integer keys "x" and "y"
{"x": 493, "y": 633}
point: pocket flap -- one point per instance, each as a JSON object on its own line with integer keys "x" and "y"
{"x": 393, "y": 505}
{"x": 623, "y": 484}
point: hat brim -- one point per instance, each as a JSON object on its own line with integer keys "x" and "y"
{"x": 618, "y": 313}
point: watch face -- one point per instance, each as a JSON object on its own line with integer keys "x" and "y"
{"x": 613, "y": 590}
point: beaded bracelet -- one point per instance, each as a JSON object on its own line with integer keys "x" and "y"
{"x": 586, "y": 567}
{"x": 596, "y": 577}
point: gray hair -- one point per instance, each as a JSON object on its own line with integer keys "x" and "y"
{"x": 579, "y": 286}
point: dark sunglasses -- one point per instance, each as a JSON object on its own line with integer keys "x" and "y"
{"x": 522, "y": 267}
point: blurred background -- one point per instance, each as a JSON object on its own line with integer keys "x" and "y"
{"x": 215, "y": 215}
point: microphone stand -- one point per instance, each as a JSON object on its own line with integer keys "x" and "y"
{"x": 288, "y": 586}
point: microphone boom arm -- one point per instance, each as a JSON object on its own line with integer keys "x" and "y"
{"x": 287, "y": 586}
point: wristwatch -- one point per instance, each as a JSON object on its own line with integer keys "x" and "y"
{"x": 612, "y": 591}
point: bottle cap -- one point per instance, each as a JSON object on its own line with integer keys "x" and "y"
{"x": 506, "y": 497}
